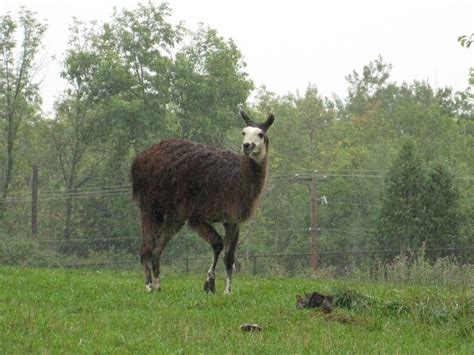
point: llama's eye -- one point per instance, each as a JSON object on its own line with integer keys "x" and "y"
{"x": 260, "y": 135}
{"x": 243, "y": 133}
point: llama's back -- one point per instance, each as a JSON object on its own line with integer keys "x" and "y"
{"x": 186, "y": 178}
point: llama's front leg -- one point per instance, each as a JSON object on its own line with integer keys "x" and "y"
{"x": 230, "y": 245}
{"x": 209, "y": 234}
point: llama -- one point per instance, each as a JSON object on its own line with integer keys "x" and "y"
{"x": 178, "y": 181}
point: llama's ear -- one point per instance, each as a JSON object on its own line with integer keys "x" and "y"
{"x": 246, "y": 118}
{"x": 268, "y": 122}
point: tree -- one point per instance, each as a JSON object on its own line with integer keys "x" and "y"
{"x": 365, "y": 87}
{"x": 19, "y": 98}
{"x": 401, "y": 223}
{"x": 141, "y": 43}
{"x": 75, "y": 136}
{"x": 316, "y": 115}
{"x": 119, "y": 77}
{"x": 209, "y": 83}
{"x": 79, "y": 129}
{"x": 441, "y": 203}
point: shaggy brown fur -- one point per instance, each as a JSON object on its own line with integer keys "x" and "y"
{"x": 178, "y": 181}
{"x": 194, "y": 181}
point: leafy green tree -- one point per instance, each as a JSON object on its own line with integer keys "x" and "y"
{"x": 80, "y": 128}
{"x": 119, "y": 78}
{"x": 209, "y": 83}
{"x": 365, "y": 87}
{"x": 19, "y": 97}
{"x": 315, "y": 115}
{"x": 134, "y": 54}
{"x": 75, "y": 135}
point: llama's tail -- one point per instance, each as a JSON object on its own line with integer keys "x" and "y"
{"x": 135, "y": 177}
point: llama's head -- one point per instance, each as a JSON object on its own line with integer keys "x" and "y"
{"x": 255, "y": 137}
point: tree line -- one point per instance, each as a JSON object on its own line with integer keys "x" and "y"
{"x": 398, "y": 157}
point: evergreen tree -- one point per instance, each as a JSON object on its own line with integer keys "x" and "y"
{"x": 443, "y": 217}
{"x": 402, "y": 218}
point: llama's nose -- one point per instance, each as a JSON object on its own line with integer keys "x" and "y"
{"x": 247, "y": 148}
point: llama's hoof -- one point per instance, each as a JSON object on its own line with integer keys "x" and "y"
{"x": 150, "y": 288}
{"x": 210, "y": 286}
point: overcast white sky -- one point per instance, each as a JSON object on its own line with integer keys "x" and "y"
{"x": 289, "y": 44}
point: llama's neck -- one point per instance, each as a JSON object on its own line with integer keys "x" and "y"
{"x": 252, "y": 172}
{"x": 252, "y": 180}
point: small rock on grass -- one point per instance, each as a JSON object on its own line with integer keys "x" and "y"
{"x": 250, "y": 327}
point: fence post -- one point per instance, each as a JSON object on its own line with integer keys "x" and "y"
{"x": 187, "y": 265}
{"x": 314, "y": 215}
{"x": 254, "y": 265}
{"x": 34, "y": 201}
{"x": 314, "y": 223}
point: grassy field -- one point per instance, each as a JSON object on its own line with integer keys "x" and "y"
{"x": 61, "y": 311}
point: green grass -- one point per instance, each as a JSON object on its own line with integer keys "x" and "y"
{"x": 60, "y": 311}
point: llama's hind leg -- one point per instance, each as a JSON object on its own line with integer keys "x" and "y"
{"x": 164, "y": 235}
{"x": 146, "y": 249}
{"x": 209, "y": 234}
{"x": 152, "y": 223}
{"x": 230, "y": 245}
{"x": 145, "y": 259}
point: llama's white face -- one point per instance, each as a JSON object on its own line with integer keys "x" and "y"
{"x": 254, "y": 143}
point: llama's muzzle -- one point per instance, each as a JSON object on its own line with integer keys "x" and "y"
{"x": 248, "y": 147}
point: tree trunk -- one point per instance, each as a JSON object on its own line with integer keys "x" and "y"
{"x": 8, "y": 173}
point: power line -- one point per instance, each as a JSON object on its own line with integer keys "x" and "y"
{"x": 91, "y": 188}
{"x": 346, "y": 231}
{"x": 104, "y": 190}
{"x": 66, "y": 195}
{"x": 353, "y": 204}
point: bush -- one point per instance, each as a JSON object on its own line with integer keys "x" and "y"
{"x": 26, "y": 252}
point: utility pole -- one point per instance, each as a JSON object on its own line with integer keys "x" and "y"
{"x": 314, "y": 214}
{"x": 34, "y": 202}
{"x": 314, "y": 223}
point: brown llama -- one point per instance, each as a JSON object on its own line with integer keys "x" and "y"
{"x": 178, "y": 181}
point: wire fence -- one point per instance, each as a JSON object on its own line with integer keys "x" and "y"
{"x": 436, "y": 266}
{"x": 255, "y": 264}
{"x": 104, "y": 230}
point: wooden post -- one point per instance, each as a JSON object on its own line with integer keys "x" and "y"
{"x": 314, "y": 214}
{"x": 34, "y": 202}
{"x": 314, "y": 223}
